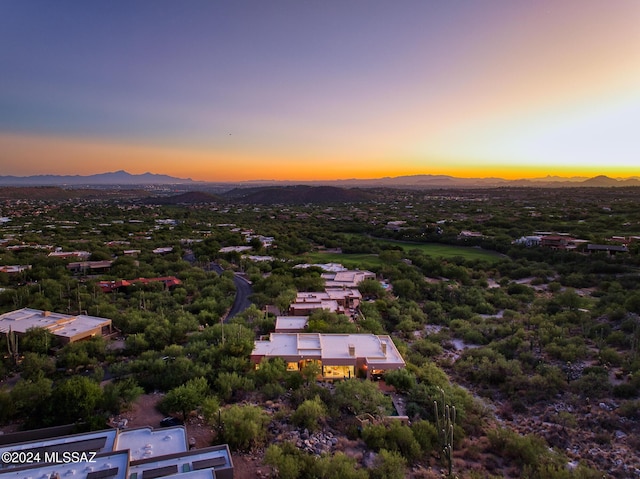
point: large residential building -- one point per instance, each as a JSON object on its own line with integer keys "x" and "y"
{"x": 346, "y": 279}
{"x": 90, "y": 266}
{"x": 69, "y": 328}
{"x": 81, "y": 255}
{"x": 15, "y": 269}
{"x": 141, "y": 453}
{"x": 339, "y": 355}
{"x": 168, "y": 282}
{"x": 335, "y": 300}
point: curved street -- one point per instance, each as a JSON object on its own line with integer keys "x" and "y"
{"x": 243, "y": 291}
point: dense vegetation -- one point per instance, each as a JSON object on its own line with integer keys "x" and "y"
{"x": 492, "y": 328}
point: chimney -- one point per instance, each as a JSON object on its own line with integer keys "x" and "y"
{"x": 352, "y": 350}
{"x": 46, "y": 313}
{"x": 384, "y": 348}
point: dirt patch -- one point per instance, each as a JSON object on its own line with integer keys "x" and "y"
{"x": 249, "y": 467}
{"x": 142, "y": 413}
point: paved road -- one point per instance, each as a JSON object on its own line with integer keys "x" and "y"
{"x": 243, "y": 291}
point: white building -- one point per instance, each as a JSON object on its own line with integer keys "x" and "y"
{"x": 339, "y": 355}
{"x": 346, "y": 279}
{"x": 69, "y": 328}
{"x": 142, "y": 453}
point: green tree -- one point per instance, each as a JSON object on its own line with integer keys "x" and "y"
{"x": 358, "y": 396}
{"x": 185, "y": 398}
{"x": 401, "y": 379}
{"x": 229, "y": 385}
{"x": 36, "y": 365}
{"x": 7, "y": 406}
{"x": 31, "y": 396}
{"x": 74, "y": 399}
{"x": 371, "y": 288}
{"x": 119, "y": 395}
{"x": 242, "y": 427}
{"x": 270, "y": 370}
{"x": 37, "y": 340}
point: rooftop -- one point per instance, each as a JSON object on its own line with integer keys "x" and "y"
{"x": 145, "y": 442}
{"x": 375, "y": 349}
{"x": 63, "y": 325}
{"x": 112, "y": 465}
{"x": 291, "y": 322}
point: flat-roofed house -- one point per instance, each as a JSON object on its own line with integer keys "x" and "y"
{"x": 110, "y": 465}
{"x": 95, "y": 441}
{"x": 339, "y": 355}
{"x": 81, "y": 255}
{"x": 561, "y": 242}
{"x": 346, "y": 279}
{"x": 68, "y": 328}
{"x": 141, "y": 453}
{"x": 90, "y": 266}
{"x": 15, "y": 269}
{"x": 307, "y": 303}
{"x": 610, "y": 249}
{"x": 348, "y": 298}
{"x": 212, "y": 462}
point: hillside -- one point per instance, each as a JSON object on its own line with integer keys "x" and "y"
{"x": 299, "y": 195}
{"x": 188, "y": 198}
{"x": 54, "y": 193}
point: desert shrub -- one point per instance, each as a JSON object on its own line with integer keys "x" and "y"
{"x": 272, "y": 390}
{"x": 593, "y": 384}
{"x": 393, "y": 437}
{"x": 230, "y": 385}
{"x": 524, "y": 450}
{"x": 310, "y": 414}
{"x": 630, "y": 409}
{"x": 388, "y": 465}
{"x": 426, "y": 435}
{"x": 242, "y": 427}
{"x": 401, "y": 379}
{"x": 625, "y": 391}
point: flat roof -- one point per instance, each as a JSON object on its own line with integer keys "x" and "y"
{"x": 97, "y": 441}
{"x": 214, "y": 457}
{"x": 64, "y": 325}
{"x": 291, "y": 322}
{"x": 111, "y": 465}
{"x": 346, "y": 278}
{"x": 145, "y": 442}
{"x": 377, "y": 350}
{"x": 314, "y": 303}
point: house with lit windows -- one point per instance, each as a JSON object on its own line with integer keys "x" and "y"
{"x": 339, "y": 356}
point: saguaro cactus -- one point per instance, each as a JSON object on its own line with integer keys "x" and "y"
{"x": 445, "y": 420}
{"x": 12, "y": 344}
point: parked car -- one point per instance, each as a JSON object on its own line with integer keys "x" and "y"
{"x": 171, "y": 421}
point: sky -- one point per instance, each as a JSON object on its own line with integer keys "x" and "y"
{"x": 311, "y": 90}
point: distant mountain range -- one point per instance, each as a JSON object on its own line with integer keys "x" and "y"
{"x": 114, "y": 178}
{"x": 123, "y": 178}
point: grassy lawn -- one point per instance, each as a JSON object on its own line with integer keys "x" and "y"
{"x": 365, "y": 261}
{"x": 362, "y": 261}
{"x": 446, "y": 251}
